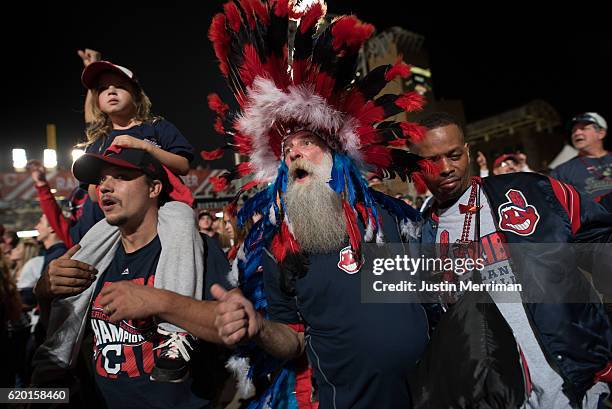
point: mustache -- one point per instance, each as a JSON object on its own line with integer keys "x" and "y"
{"x": 302, "y": 164}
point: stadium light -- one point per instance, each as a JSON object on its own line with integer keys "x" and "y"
{"x": 20, "y": 159}
{"x": 26, "y": 234}
{"x": 77, "y": 153}
{"x": 50, "y": 158}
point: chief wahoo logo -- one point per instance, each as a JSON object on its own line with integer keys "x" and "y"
{"x": 517, "y": 216}
{"x": 347, "y": 261}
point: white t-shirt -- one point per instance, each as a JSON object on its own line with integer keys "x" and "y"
{"x": 547, "y": 384}
{"x": 31, "y": 272}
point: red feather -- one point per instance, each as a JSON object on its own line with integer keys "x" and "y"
{"x": 419, "y": 183}
{"x": 352, "y": 228}
{"x": 219, "y": 126}
{"x": 300, "y": 71}
{"x": 233, "y": 16}
{"x": 310, "y": 18}
{"x": 370, "y": 113}
{"x": 295, "y": 14}
{"x": 413, "y": 131}
{"x": 429, "y": 167}
{"x": 410, "y": 101}
{"x": 252, "y": 66}
{"x": 212, "y": 155}
{"x": 283, "y": 243}
{"x": 354, "y": 102}
{"x": 249, "y": 12}
{"x": 274, "y": 67}
{"x": 243, "y": 144}
{"x": 281, "y": 8}
{"x": 216, "y": 105}
{"x": 219, "y": 183}
{"x": 349, "y": 31}
{"x": 250, "y": 185}
{"x": 275, "y": 142}
{"x": 399, "y": 142}
{"x": 217, "y": 33}
{"x": 377, "y": 155}
{"x": 261, "y": 12}
{"x": 368, "y": 135}
{"x": 324, "y": 85}
{"x": 362, "y": 213}
{"x": 244, "y": 168}
{"x": 400, "y": 68}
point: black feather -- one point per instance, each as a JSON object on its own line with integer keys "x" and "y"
{"x": 387, "y": 102}
{"x": 389, "y": 130}
{"x": 292, "y": 268}
{"x": 373, "y": 82}
{"x": 403, "y": 163}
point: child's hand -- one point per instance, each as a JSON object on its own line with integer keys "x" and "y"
{"x": 88, "y": 56}
{"x": 127, "y": 141}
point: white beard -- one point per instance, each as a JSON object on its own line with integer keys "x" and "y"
{"x": 314, "y": 209}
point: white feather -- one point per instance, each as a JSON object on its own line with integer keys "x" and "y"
{"x": 272, "y": 215}
{"x": 369, "y": 233}
{"x": 410, "y": 229}
{"x": 232, "y": 276}
{"x": 240, "y": 367}
{"x": 267, "y": 104}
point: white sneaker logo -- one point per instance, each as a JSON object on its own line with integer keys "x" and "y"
{"x": 125, "y": 272}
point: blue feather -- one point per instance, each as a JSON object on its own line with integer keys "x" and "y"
{"x": 396, "y": 207}
{"x": 258, "y": 203}
{"x": 337, "y": 175}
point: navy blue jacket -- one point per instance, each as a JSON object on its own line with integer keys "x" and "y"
{"x": 575, "y": 337}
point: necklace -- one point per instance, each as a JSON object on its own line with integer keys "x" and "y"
{"x": 462, "y": 244}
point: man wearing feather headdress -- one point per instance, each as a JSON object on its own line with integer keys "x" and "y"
{"x": 310, "y": 130}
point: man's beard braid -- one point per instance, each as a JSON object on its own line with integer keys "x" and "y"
{"x": 314, "y": 209}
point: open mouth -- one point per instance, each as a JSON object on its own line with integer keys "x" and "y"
{"x": 300, "y": 174}
{"x": 107, "y": 203}
{"x": 522, "y": 226}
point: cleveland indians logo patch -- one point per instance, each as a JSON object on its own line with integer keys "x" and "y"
{"x": 517, "y": 216}
{"x": 347, "y": 261}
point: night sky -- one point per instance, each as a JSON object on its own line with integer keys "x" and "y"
{"x": 492, "y": 64}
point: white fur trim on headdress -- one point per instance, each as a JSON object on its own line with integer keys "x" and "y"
{"x": 240, "y": 368}
{"x": 266, "y": 104}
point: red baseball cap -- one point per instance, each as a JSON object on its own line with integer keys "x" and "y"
{"x": 95, "y": 69}
{"x": 88, "y": 167}
{"x": 503, "y": 158}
